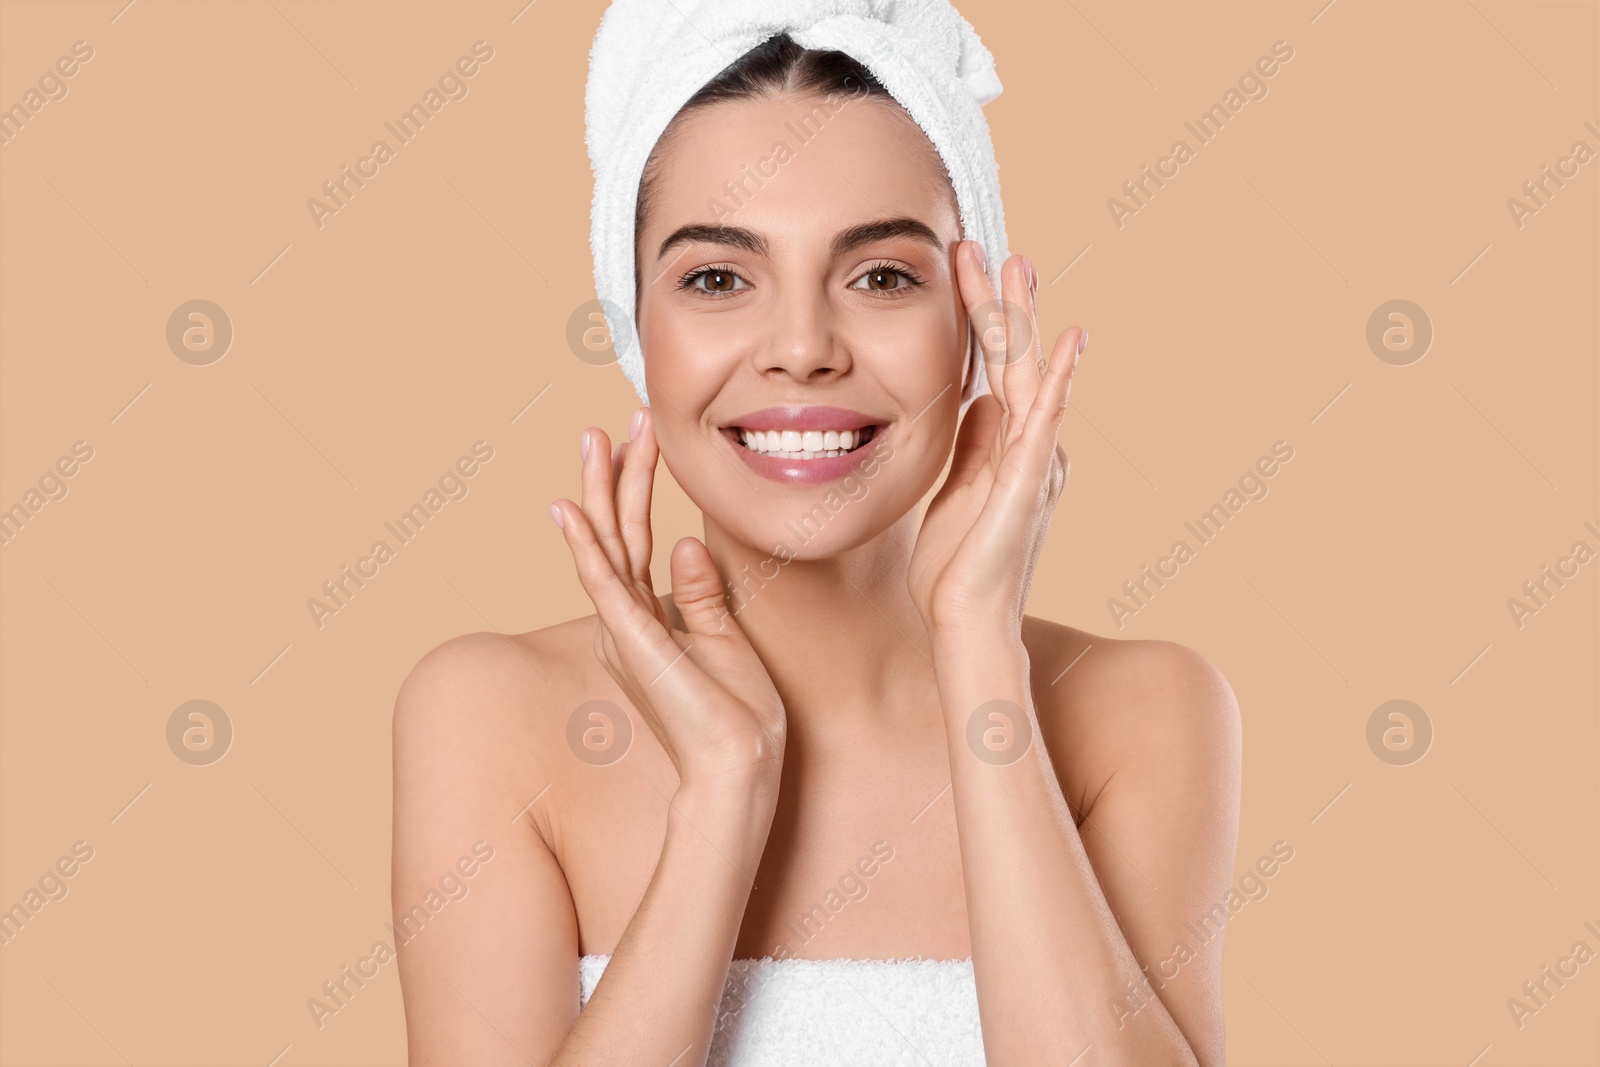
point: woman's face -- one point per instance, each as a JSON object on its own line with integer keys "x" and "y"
{"x": 796, "y": 273}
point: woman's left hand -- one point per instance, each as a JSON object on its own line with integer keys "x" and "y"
{"x": 982, "y": 533}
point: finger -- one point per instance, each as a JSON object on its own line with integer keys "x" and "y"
{"x": 618, "y": 457}
{"x": 634, "y": 487}
{"x": 985, "y": 313}
{"x": 598, "y": 503}
{"x": 1036, "y": 346}
{"x": 697, "y": 589}
{"x": 1024, "y": 475}
{"x": 638, "y": 636}
{"x": 1019, "y": 377}
{"x": 1041, "y": 432}
{"x": 1060, "y": 467}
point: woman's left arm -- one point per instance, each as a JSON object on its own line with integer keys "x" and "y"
{"x": 1082, "y": 942}
{"x": 1103, "y": 939}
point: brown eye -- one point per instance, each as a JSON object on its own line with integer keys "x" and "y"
{"x": 713, "y": 281}
{"x": 887, "y": 279}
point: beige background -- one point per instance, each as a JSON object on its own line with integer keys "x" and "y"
{"x": 1227, "y": 314}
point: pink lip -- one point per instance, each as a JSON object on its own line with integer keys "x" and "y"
{"x": 804, "y": 471}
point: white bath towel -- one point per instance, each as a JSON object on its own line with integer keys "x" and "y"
{"x": 650, "y": 56}
{"x": 820, "y": 1013}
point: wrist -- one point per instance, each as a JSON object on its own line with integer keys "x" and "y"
{"x": 974, "y": 669}
{"x": 715, "y": 841}
{"x": 736, "y": 804}
{"x": 958, "y": 646}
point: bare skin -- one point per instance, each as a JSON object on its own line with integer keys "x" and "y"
{"x": 773, "y": 747}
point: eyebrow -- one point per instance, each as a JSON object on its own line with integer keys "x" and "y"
{"x": 844, "y": 241}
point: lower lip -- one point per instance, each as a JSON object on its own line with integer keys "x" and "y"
{"x": 804, "y": 471}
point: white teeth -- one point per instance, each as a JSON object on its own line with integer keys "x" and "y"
{"x": 801, "y": 444}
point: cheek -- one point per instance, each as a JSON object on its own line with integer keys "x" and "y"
{"x": 684, "y": 450}
{"x": 684, "y": 353}
{"x": 920, "y": 347}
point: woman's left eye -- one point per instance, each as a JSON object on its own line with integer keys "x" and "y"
{"x": 886, "y": 278}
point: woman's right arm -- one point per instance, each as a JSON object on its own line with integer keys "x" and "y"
{"x": 492, "y": 978}
{"x": 657, "y": 1001}
{"x": 462, "y": 746}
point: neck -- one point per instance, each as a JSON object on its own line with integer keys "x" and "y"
{"x": 839, "y": 636}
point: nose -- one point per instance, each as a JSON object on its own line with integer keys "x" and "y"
{"x": 801, "y": 339}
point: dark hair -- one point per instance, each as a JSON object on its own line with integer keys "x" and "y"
{"x": 776, "y": 65}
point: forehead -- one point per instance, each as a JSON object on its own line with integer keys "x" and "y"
{"x": 798, "y": 169}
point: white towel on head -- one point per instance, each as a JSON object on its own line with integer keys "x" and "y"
{"x": 650, "y": 56}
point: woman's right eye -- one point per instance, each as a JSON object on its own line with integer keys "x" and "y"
{"x": 718, "y": 281}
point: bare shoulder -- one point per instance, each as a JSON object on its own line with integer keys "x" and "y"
{"x": 491, "y": 674}
{"x": 1108, "y": 705}
{"x": 489, "y": 706}
{"x": 479, "y": 723}
{"x": 1126, "y": 686}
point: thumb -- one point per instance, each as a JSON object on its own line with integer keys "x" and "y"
{"x": 697, "y": 588}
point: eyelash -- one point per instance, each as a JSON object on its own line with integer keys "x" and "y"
{"x": 913, "y": 279}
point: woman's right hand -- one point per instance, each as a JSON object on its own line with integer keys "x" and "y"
{"x": 703, "y": 691}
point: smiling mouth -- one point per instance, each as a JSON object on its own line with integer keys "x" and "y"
{"x": 801, "y": 444}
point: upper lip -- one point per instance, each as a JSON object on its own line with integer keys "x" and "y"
{"x": 798, "y": 417}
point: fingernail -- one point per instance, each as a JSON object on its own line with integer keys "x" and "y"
{"x": 1083, "y": 342}
{"x": 1033, "y": 275}
{"x": 983, "y": 260}
{"x": 583, "y": 445}
{"x": 633, "y": 427}
{"x": 555, "y": 513}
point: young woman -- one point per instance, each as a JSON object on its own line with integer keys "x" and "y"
{"x": 841, "y": 699}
